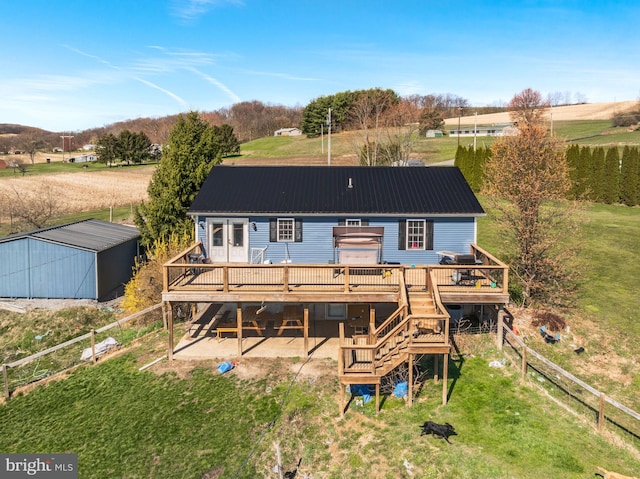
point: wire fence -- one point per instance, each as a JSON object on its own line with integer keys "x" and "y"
{"x": 82, "y": 349}
{"x": 574, "y": 394}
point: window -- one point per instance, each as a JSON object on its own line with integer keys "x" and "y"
{"x": 353, "y": 222}
{"x": 216, "y": 234}
{"x": 238, "y": 234}
{"x": 285, "y": 229}
{"x": 415, "y": 235}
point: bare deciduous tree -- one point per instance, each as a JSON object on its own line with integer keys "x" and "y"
{"x": 32, "y": 209}
{"x": 527, "y": 180}
{"x": 527, "y": 107}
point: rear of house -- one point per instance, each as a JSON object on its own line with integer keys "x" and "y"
{"x": 320, "y": 215}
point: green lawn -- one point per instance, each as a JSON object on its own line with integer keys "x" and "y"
{"x": 432, "y": 150}
{"x": 126, "y": 423}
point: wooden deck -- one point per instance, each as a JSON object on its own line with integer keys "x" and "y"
{"x": 419, "y": 325}
{"x": 315, "y": 283}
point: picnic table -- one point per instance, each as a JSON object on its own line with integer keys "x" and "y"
{"x": 291, "y": 319}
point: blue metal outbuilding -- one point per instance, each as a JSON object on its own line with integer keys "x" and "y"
{"x": 89, "y": 259}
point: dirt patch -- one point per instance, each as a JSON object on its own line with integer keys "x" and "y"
{"x": 579, "y": 333}
{"x": 251, "y": 368}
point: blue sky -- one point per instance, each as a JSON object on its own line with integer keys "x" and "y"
{"x": 76, "y": 64}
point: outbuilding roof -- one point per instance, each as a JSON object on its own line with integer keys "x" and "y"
{"x": 336, "y": 190}
{"x": 92, "y": 235}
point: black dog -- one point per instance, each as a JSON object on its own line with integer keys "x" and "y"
{"x": 438, "y": 430}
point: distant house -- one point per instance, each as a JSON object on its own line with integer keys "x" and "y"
{"x": 288, "y": 132}
{"x": 434, "y": 134}
{"x": 83, "y": 158}
{"x": 89, "y": 147}
{"x": 496, "y": 129}
{"x": 88, "y": 259}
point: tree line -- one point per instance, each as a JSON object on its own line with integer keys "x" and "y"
{"x": 610, "y": 176}
{"x": 132, "y": 147}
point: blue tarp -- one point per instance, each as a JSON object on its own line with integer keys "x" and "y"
{"x": 401, "y": 390}
{"x": 363, "y": 390}
{"x": 224, "y": 367}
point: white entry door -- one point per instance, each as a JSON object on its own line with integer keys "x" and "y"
{"x": 228, "y": 240}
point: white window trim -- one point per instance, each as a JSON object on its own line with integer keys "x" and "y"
{"x": 408, "y": 244}
{"x": 279, "y": 222}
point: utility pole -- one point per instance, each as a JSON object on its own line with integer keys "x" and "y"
{"x": 475, "y": 130}
{"x": 459, "y": 115}
{"x": 329, "y": 138}
{"x": 322, "y": 137}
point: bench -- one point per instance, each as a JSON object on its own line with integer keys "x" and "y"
{"x": 225, "y": 329}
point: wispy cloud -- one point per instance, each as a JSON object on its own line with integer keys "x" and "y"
{"x": 163, "y": 90}
{"x": 189, "y": 10}
{"x": 218, "y": 84}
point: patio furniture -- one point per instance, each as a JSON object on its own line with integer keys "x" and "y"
{"x": 291, "y": 319}
{"x": 251, "y": 320}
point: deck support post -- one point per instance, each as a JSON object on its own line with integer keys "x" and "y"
{"x": 341, "y": 386}
{"x": 169, "y": 310}
{"x": 500, "y": 332}
{"x": 377, "y": 397}
{"x": 372, "y": 321}
{"x": 306, "y": 330}
{"x": 410, "y": 381}
{"x": 239, "y": 326}
{"x": 445, "y": 377}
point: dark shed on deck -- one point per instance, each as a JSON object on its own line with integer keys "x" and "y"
{"x": 89, "y": 259}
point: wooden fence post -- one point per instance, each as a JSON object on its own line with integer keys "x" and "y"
{"x": 5, "y": 380}
{"x": 601, "y": 417}
{"x": 524, "y": 363}
{"x": 93, "y": 346}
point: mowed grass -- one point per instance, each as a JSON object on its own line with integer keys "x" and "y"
{"x": 430, "y": 150}
{"x": 126, "y": 423}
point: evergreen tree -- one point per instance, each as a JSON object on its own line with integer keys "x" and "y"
{"x": 573, "y": 160}
{"x": 107, "y": 149}
{"x": 635, "y": 169}
{"x": 611, "y": 177}
{"x": 596, "y": 175}
{"x": 629, "y": 176}
{"x": 227, "y": 141}
{"x": 187, "y": 158}
{"x": 462, "y": 162}
{"x": 583, "y": 173}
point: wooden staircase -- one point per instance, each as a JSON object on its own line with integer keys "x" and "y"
{"x": 416, "y": 328}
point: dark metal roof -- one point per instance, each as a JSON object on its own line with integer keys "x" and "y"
{"x": 304, "y": 190}
{"x": 92, "y": 235}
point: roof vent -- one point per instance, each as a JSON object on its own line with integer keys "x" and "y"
{"x": 350, "y": 185}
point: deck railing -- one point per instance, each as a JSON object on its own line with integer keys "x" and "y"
{"x": 188, "y": 272}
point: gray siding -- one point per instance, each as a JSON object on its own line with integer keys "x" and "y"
{"x": 115, "y": 268}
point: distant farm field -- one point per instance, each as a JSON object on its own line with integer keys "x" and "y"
{"x": 85, "y": 190}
